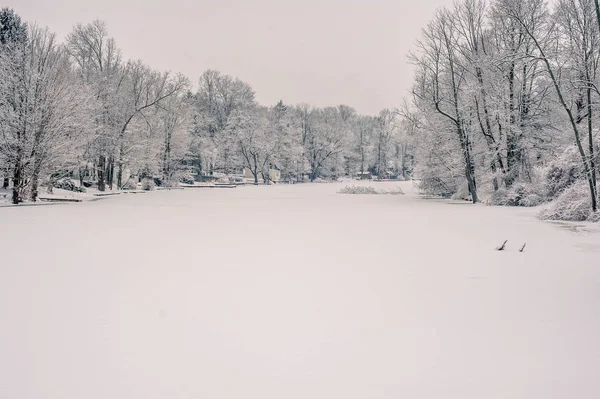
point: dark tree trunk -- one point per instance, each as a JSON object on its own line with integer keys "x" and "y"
{"x": 35, "y": 179}
{"x": 17, "y": 183}
{"x": 111, "y": 173}
{"x": 101, "y": 173}
{"x": 166, "y": 161}
{"x": 512, "y": 145}
{"x": 593, "y": 180}
{"x": 469, "y": 166}
{"x": 167, "y": 156}
{"x": 81, "y": 176}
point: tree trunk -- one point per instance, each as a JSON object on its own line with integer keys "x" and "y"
{"x": 597, "y": 6}
{"x": 362, "y": 162}
{"x": 166, "y": 160}
{"x": 469, "y": 164}
{"x": 101, "y": 170}
{"x": 17, "y": 183}
{"x": 379, "y": 158}
{"x": 512, "y": 161}
{"x": 111, "y": 172}
{"x": 120, "y": 175}
{"x": 81, "y": 176}
{"x": 590, "y": 126}
{"x": 486, "y": 129}
{"x": 35, "y": 179}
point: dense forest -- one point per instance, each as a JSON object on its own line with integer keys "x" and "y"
{"x": 503, "y": 110}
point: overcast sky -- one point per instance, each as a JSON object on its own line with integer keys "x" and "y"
{"x": 322, "y": 52}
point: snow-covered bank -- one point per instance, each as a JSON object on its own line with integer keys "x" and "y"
{"x": 64, "y": 196}
{"x": 295, "y": 291}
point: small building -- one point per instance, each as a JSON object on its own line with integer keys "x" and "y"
{"x": 364, "y": 176}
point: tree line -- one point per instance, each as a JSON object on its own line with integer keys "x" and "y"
{"x": 77, "y": 108}
{"x": 505, "y": 101}
{"x": 503, "y": 109}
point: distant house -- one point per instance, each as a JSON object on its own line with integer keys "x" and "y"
{"x": 364, "y": 176}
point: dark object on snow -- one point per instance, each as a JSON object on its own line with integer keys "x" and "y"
{"x": 501, "y": 247}
{"x": 60, "y": 199}
{"x": 523, "y": 247}
{"x": 87, "y": 183}
{"x": 187, "y": 180}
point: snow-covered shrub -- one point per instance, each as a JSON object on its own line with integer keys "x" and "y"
{"x": 129, "y": 185}
{"x": 357, "y": 190}
{"x": 369, "y": 190}
{"x": 148, "y": 184}
{"x": 68, "y": 184}
{"x": 462, "y": 193}
{"x": 395, "y": 191}
{"x": 564, "y": 171}
{"x": 435, "y": 186}
{"x": 574, "y": 204}
{"x": 499, "y": 197}
{"x": 520, "y": 194}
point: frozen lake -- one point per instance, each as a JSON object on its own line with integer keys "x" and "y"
{"x": 295, "y": 292}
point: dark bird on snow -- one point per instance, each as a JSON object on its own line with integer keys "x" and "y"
{"x": 501, "y": 247}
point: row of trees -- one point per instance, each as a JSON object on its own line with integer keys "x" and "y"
{"x": 231, "y": 131}
{"x": 506, "y": 98}
{"x": 77, "y": 108}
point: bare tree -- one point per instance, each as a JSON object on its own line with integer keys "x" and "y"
{"x": 554, "y": 73}
{"x": 441, "y": 77}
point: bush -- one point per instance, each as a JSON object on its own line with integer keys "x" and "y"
{"x": 435, "y": 186}
{"x": 368, "y": 190}
{"x": 147, "y": 184}
{"x": 129, "y": 185}
{"x": 357, "y": 190}
{"x": 462, "y": 194}
{"x": 499, "y": 197}
{"x": 574, "y": 204}
{"x": 519, "y": 194}
{"x": 68, "y": 184}
{"x": 396, "y": 191}
{"x": 563, "y": 172}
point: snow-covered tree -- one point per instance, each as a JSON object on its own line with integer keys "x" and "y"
{"x": 44, "y": 111}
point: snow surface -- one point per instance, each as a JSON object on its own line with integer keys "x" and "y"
{"x": 294, "y": 291}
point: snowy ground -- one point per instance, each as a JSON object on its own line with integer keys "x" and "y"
{"x": 295, "y": 292}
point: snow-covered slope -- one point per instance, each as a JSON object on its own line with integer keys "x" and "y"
{"x": 295, "y": 292}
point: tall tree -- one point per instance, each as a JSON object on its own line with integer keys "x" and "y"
{"x": 13, "y": 39}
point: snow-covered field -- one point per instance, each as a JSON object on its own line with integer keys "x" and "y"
{"x": 295, "y": 292}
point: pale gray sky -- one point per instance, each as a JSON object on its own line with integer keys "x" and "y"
{"x": 323, "y": 52}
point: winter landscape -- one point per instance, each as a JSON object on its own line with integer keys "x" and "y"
{"x": 233, "y": 231}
